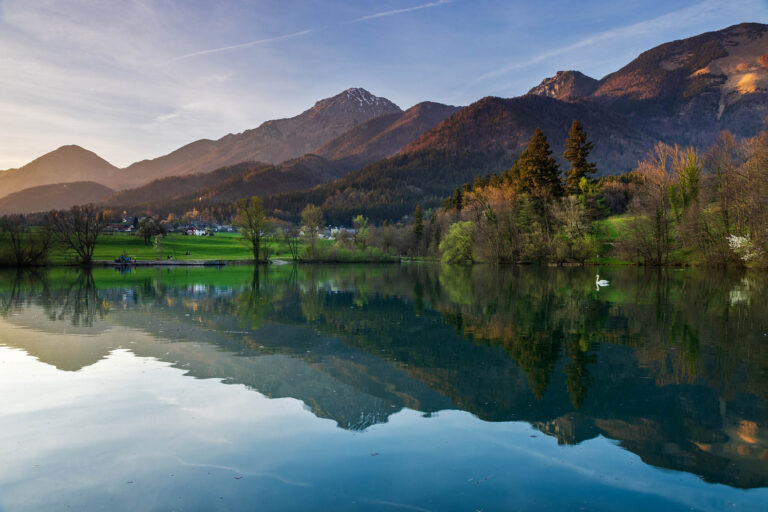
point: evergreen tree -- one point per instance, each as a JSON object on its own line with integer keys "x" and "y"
{"x": 577, "y": 149}
{"x": 458, "y": 199}
{"x": 536, "y": 171}
{"x": 438, "y": 232}
{"x": 418, "y": 226}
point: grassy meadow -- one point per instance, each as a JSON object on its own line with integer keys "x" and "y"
{"x": 222, "y": 246}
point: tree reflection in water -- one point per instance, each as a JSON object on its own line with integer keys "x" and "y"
{"x": 663, "y": 358}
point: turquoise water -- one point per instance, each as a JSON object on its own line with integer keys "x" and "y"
{"x": 383, "y": 388}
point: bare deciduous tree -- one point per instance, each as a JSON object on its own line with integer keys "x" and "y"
{"x": 291, "y": 237}
{"x": 650, "y": 227}
{"x": 26, "y": 246}
{"x": 77, "y": 229}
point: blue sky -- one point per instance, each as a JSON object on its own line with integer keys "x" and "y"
{"x": 136, "y": 79}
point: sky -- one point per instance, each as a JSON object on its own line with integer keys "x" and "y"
{"x": 137, "y": 79}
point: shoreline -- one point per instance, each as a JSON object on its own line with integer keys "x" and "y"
{"x": 401, "y": 261}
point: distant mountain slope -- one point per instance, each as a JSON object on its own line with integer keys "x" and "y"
{"x": 363, "y": 144}
{"x": 165, "y": 189}
{"x": 225, "y": 186}
{"x": 272, "y": 142}
{"x": 297, "y": 174}
{"x": 383, "y": 136}
{"x": 65, "y": 164}
{"x": 53, "y": 197}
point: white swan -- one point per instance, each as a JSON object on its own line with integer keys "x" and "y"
{"x": 600, "y": 282}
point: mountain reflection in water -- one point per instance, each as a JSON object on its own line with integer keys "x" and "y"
{"x": 672, "y": 364}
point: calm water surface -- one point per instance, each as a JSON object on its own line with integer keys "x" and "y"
{"x": 383, "y": 388}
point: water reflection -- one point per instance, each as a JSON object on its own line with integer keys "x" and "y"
{"x": 673, "y": 364}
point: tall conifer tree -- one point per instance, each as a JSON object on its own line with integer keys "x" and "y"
{"x": 577, "y": 149}
{"x": 536, "y": 170}
{"x": 418, "y": 226}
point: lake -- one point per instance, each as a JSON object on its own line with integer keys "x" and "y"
{"x": 396, "y": 387}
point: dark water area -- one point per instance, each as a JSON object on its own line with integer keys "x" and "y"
{"x": 417, "y": 387}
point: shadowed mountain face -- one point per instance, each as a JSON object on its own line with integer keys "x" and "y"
{"x": 383, "y": 136}
{"x": 494, "y": 125}
{"x": 162, "y": 189}
{"x": 227, "y": 185}
{"x": 53, "y": 197}
{"x": 671, "y": 364}
{"x": 391, "y": 188}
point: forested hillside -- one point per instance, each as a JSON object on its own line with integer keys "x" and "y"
{"x": 390, "y": 189}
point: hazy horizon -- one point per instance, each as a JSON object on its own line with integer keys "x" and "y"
{"x": 139, "y": 79}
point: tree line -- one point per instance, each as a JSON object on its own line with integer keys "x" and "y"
{"x": 708, "y": 207}
{"x": 680, "y": 206}
{"x": 76, "y": 229}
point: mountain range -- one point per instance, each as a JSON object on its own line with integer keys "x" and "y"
{"x": 683, "y": 92}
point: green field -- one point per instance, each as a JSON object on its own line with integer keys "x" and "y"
{"x": 612, "y": 229}
{"x": 608, "y": 232}
{"x": 222, "y": 246}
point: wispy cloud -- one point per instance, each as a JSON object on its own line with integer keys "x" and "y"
{"x": 677, "y": 18}
{"x": 258, "y": 42}
{"x": 404, "y": 10}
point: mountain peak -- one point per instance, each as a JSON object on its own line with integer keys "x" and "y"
{"x": 363, "y": 97}
{"x": 65, "y": 164}
{"x": 355, "y": 100}
{"x": 70, "y": 155}
{"x": 566, "y": 85}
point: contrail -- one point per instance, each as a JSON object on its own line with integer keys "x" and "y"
{"x": 249, "y": 43}
{"x": 401, "y": 11}
{"x": 306, "y": 32}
